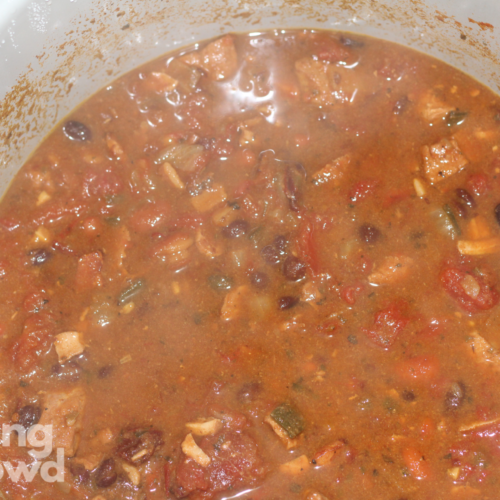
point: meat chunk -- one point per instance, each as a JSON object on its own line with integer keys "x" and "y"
{"x": 391, "y": 270}
{"x": 235, "y": 303}
{"x": 205, "y": 427}
{"x": 433, "y": 108}
{"x": 332, "y": 172}
{"x": 218, "y": 59}
{"x": 193, "y": 451}
{"x": 68, "y": 345}
{"x": 233, "y": 462}
{"x": 64, "y": 411}
{"x": 483, "y": 351}
{"x": 443, "y": 159}
{"x": 323, "y": 83}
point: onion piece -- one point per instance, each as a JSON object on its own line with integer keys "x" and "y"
{"x": 184, "y": 157}
{"x": 479, "y": 247}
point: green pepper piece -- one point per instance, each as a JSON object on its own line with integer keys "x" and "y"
{"x": 289, "y": 419}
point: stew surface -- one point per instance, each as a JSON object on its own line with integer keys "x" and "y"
{"x": 263, "y": 267}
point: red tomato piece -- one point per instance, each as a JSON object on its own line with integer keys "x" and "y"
{"x": 478, "y": 184}
{"x": 388, "y": 324}
{"x": 149, "y": 217}
{"x": 362, "y": 190}
{"x": 327, "y": 48}
{"x": 478, "y": 297}
{"x": 307, "y": 247}
{"x": 415, "y": 461}
{"x": 88, "y": 272}
{"x": 35, "y": 302}
{"x": 35, "y": 340}
{"x": 424, "y": 368}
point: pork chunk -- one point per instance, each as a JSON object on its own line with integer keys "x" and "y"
{"x": 218, "y": 59}
{"x": 64, "y": 411}
{"x": 443, "y": 159}
{"x": 433, "y": 108}
{"x": 323, "y": 83}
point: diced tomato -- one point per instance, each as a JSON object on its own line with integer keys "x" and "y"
{"x": 34, "y": 341}
{"x": 189, "y": 477}
{"x": 362, "y": 190}
{"x": 307, "y": 246}
{"x": 35, "y": 302}
{"x": 349, "y": 293}
{"x": 388, "y": 324}
{"x": 478, "y": 184}
{"x": 149, "y": 217}
{"x": 423, "y": 368}
{"x": 416, "y": 463}
{"x": 327, "y": 48}
{"x": 479, "y": 297}
{"x": 88, "y": 272}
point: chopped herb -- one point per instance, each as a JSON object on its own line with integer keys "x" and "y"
{"x": 295, "y": 488}
{"x": 447, "y": 457}
{"x": 352, "y": 339}
{"x": 289, "y": 419}
{"x": 22, "y": 383}
{"x": 387, "y": 459}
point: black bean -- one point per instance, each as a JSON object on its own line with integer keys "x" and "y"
{"x": 287, "y": 302}
{"x": 236, "y": 229}
{"x": 106, "y": 475}
{"x": 455, "y": 397}
{"x": 466, "y": 197}
{"x": 460, "y": 209}
{"x": 408, "y": 396}
{"x": 369, "y": 234}
{"x": 294, "y": 269}
{"x": 270, "y": 255}
{"x": 105, "y": 371}
{"x": 29, "y": 415}
{"x": 70, "y": 371}
{"x": 77, "y": 131}
{"x": 79, "y": 472}
{"x": 259, "y": 279}
{"x": 280, "y": 243}
{"x": 497, "y": 213}
{"x": 401, "y": 105}
{"x": 40, "y": 256}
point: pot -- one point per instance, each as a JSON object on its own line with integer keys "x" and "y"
{"x": 56, "y": 53}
